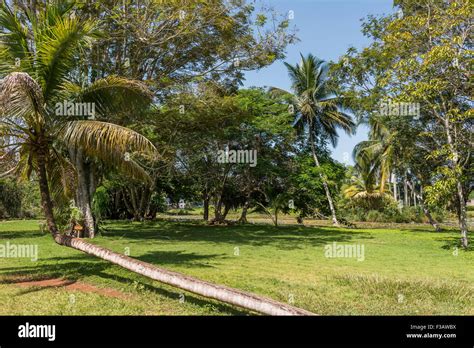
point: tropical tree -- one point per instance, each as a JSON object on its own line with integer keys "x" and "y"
{"x": 365, "y": 187}
{"x": 47, "y": 46}
{"x": 421, "y": 56}
{"x": 40, "y": 139}
{"x": 381, "y": 146}
{"x": 385, "y": 146}
{"x": 318, "y": 111}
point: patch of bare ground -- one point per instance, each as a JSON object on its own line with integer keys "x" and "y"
{"x": 70, "y": 285}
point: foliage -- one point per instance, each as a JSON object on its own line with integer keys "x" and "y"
{"x": 30, "y": 128}
{"x": 18, "y": 199}
{"x": 420, "y": 56}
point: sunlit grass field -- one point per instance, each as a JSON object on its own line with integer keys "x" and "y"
{"x": 408, "y": 270}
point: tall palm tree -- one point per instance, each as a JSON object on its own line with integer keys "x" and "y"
{"x": 46, "y": 45}
{"x": 319, "y": 111}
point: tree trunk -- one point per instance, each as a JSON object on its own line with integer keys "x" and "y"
{"x": 83, "y": 193}
{"x": 405, "y": 189}
{"x": 413, "y": 190}
{"x": 218, "y": 211}
{"x": 46, "y": 202}
{"x": 144, "y": 200}
{"x": 206, "y": 208}
{"x": 222, "y": 293}
{"x": 226, "y": 211}
{"x": 394, "y": 178}
{"x": 325, "y": 185}
{"x": 462, "y": 216}
{"x": 426, "y": 211}
{"x": 243, "y": 216}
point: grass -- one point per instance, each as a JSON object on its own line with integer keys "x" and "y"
{"x": 409, "y": 270}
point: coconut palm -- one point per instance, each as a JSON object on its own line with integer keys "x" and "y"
{"x": 381, "y": 146}
{"x": 46, "y": 45}
{"x": 381, "y": 149}
{"x": 364, "y": 187}
{"x": 318, "y": 110}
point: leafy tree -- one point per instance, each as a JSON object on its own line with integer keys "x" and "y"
{"x": 169, "y": 43}
{"x": 421, "y": 56}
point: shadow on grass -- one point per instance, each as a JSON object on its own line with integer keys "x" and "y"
{"x": 20, "y": 234}
{"x": 454, "y": 243}
{"x": 283, "y": 237}
{"x": 79, "y": 267}
{"x": 178, "y": 258}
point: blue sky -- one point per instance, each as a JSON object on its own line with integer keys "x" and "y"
{"x": 326, "y": 28}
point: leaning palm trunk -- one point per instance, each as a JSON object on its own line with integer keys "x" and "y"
{"x": 218, "y": 292}
{"x": 222, "y": 293}
{"x": 325, "y": 184}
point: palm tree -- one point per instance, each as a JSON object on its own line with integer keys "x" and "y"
{"x": 379, "y": 147}
{"x": 30, "y": 128}
{"x": 46, "y": 47}
{"x": 318, "y": 109}
{"x": 364, "y": 187}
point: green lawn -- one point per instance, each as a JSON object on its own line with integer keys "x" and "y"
{"x": 412, "y": 270}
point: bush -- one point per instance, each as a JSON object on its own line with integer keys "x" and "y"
{"x": 389, "y": 212}
{"x": 10, "y": 199}
{"x": 19, "y": 199}
{"x": 67, "y": 214}
{"x": 375, "y": 216}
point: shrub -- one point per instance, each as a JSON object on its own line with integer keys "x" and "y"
{"x": 389, "y": 212}
{"x": 19, "y": 199}
{"x": 375, "y": 216}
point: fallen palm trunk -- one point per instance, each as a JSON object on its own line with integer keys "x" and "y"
{"x": 222, "y": 293}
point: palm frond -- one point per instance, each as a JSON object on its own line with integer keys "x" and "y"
{"x": 106, "y": 141}
{"x": 112, "y": 95}
{"x": 14, "y": 34}
{"x": 21, "y": 99}
{"x": 57, "y": 47}
{"x": 62, "y": 177}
